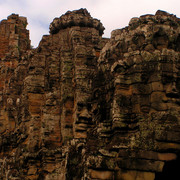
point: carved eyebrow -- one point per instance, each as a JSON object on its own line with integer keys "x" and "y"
{"x": 168, "y": 79}
{"x": 81, "y": 104}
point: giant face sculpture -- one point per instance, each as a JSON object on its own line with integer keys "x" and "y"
{"x": 143, "y": 61}
{"x": 146, "y": 99}
{"x": 83, "y": 120}
{"x": 84, "y": 42}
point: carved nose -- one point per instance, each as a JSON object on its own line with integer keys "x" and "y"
{"x": 172, "y": 91}
{"x": 85, "y": 114}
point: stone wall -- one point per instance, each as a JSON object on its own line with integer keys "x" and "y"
{"x": 80, "y": 106}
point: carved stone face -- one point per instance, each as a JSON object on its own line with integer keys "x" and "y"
{"x": 144, "y": 88}
{"x": 150, "y": 90}
{"x": 84, "y": 61}
{"x": 160, "y": 88}
{"x": 171, "y": 84}
{"x": 76, "y": 37}
{"x": 83, "y": 120}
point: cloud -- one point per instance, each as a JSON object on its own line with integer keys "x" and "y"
{"x": 116, "y": 14}
{"x": 112, "y": 13}
{"x": 40, "y": 13}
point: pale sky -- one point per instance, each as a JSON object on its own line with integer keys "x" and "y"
{"x": 114, "y": 14}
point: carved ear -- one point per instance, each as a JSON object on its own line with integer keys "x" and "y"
{"x": 160, "y": 39}
{"x": 178, "y": 43}
{"x": 119, "y": 66}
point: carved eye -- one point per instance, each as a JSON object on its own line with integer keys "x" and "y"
{"x": 178, "y": 84}
{"x": 76, "y": 39}
{"x": 80, "y": 106}
{"x": 167, "y": 79}
{"x": 89, "y": 106}
{"x": 145, "y": 77}
{"x": 124, "y": 101}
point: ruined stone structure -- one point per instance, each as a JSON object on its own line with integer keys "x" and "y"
{"x": 82, "y": 107}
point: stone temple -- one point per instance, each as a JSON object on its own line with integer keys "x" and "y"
{"x": 84, "y": 107}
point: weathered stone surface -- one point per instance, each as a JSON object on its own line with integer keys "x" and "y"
{"x": 80, "y": 18}
{"x": 80, "y": 106}
{"x": 142, "y": 61}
